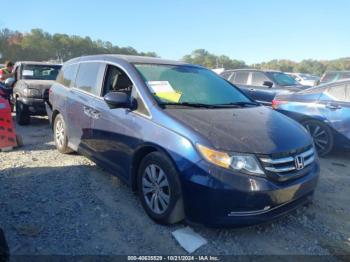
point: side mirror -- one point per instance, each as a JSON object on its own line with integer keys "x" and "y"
{"x": 10, "y": 82}
{"x": 119, "y": 100}
{"x": 269, "y": 84}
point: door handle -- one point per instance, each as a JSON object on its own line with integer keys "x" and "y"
{"x": 252, "y": 89}
{"x": 333, "y": 106}
{"x": 95, "y": 114}
{"x": 87, "y": 111}
{"x": 90, "y": 112}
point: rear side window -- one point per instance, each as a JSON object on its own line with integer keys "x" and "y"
{"x": 232, "y": 77}
{"x": 67, "y": 75}
{"x": 259, "y": 78}
{"x": 226, "y": 75}
{"x": 241, "y": 78}
{"x": 329, "y": 77}
{"x": 89, "y": 76}
{"x": 337, "y": 93}
{"x": 344, "y": 75}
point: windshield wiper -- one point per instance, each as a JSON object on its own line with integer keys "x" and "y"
{"x": 198, "y": 105}
{"x": 239, "y": 104}
{"x": 201, "y": 105}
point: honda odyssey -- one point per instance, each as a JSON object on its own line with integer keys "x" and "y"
{"x": 193, "y": 145}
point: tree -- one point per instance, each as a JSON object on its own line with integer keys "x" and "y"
{"x": 42, "y": 46}
{"x": 310, "y": 66}
{"x": 204, "y": 58}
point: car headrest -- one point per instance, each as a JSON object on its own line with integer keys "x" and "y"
{"x": 123, "y": 82}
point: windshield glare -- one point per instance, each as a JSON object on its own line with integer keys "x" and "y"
{"x": 40, "y": 72}
{"x": 178, "y": 84}
{"x": 283, "y": 79}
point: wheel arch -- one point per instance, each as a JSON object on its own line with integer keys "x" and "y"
{"x": 55, "y": 113}
{"x": 139, "y": 154}
{"x": 304, "y": 118}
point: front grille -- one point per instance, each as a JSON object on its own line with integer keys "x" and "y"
{"x": 288, "y": 167}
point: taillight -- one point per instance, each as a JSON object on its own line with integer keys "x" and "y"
{"x": 276, "y": 103}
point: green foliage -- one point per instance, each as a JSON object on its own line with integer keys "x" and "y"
{"x": 282, "y": 65}
{"x": 307, "y": 66}
{"x": 203, "y": 57}
{"x": 41, "y": 46}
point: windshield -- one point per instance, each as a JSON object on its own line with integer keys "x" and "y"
{"x": 186, "y": 84}
{"x": 40, "y": 72}
{"x": 283, "y": 79}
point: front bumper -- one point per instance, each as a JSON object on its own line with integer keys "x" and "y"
{"x": 36, "y": 106}
{"x": 216, "y": 197}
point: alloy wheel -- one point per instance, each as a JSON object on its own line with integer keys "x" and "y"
{"x": 155, "y": 188}
{"x": 59, "y": 133}
{"x": 319, "y": 135}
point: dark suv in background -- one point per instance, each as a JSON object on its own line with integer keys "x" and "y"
{"x": 32, "y": 81}
{"x": 262, "y": 85}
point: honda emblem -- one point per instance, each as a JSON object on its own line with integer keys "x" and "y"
{"x": 299, "y": 162}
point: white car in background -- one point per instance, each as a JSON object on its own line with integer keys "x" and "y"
{"x": 305, "y": 79}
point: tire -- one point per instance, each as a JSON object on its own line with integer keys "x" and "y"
{"x": 60, "y": 135}
{"x": 22, "y": 114}
{"x": 165, "y": 190}
{"x": 321, "y": 134}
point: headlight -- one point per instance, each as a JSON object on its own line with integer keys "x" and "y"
{"x": 244, "y": 163}
{"x": 31, "y": 92}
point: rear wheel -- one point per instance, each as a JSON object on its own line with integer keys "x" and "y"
{"x": 321, "y": 134}
{"x": 60, "y": 135}
{"x": 159, "y": 189}
{"x": 22, "y": 114}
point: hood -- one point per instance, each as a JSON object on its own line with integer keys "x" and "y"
{"x": 248, "y": 130}
{"x": 39, "y": 84}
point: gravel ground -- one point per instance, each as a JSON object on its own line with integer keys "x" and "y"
{"x": 64, "y": 204}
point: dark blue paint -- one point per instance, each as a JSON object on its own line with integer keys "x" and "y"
{"x": 211, "y": 193}
{"x": 211, "y": 198}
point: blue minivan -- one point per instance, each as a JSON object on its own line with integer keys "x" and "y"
{"x": 189, "y": 142}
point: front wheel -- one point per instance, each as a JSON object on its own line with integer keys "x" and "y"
{"x": 321, "y": 134}
{"x": 159, "y": 189}
{"x": 60, "y": 135}
{"x": 22, "y": 114}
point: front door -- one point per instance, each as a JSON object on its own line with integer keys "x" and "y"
{"x": 114, "y": 130}
{"x": 336, "y": 108}
{"x": 259, "y": 91}
{"x": 336, "y": 102}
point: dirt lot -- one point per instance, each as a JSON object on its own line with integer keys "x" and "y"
{"x": 64, "y": 204}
